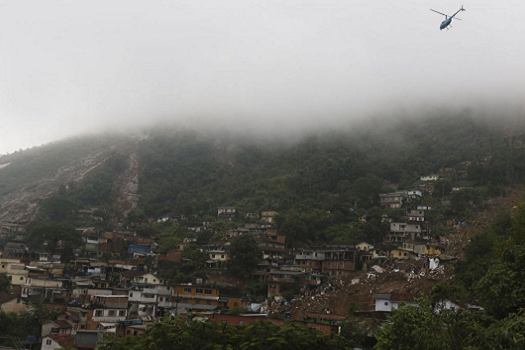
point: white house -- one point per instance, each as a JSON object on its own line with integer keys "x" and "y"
{"x": 429, "y": 178}
{"x": 387, "y": 302}
{"x": 363, "y": 246}
{"x": 57, "y": 341}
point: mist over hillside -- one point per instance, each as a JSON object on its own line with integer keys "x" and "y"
{"x": 182, "y": 169}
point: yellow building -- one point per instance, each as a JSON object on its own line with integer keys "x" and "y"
{"x": 400, "y": 254}
{"x": 432, "y": 250}
{"x": 193, "y": 297}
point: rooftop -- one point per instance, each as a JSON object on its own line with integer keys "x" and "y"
{"x": 66, "y": 341}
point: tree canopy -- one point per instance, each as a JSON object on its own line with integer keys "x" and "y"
{"x": 173, "y": 334}
{"x": 244, "y": 254}
{"x": 48, "y": 236}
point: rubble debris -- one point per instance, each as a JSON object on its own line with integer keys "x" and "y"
{"x": 378, "y": 269}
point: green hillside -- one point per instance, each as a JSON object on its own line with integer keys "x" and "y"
{"x": 320, "y": 183}
{"x": 193, "y": 173}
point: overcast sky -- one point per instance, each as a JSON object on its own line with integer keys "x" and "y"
{"x": 73, "y": 66}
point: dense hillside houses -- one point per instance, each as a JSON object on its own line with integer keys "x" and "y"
{"x": 112, "y": 286}
{"x": 109, "y": 276}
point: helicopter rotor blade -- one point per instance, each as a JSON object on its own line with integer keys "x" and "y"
{"x": 439, "y": 13}
{"x": 458, "y": 18}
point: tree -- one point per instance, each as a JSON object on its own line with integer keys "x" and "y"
{"x": 502, "y": 289}
{"x": 411, "y": 328}
{"x": 58, "y": 208}
{"x": 343, "y": 234}
{"x": 169, "y": 243}
{"x": 147, "y": 231}
{"x": 5, "y": 284}
{"x": 49, "y": 235}
{"x": 294, "y": 229}
{"x": 204, "y": 237}
{"x": 175, "y": 334}
{"x": 367, "y": 190}
{"x": 196, "y": 258}
{"x": 244, "y": 255}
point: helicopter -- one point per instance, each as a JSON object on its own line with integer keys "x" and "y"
{"x": 448, "y": 19}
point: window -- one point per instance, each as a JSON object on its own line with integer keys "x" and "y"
{"x": 207, "y": 291}
{"x": 131, "y": 295}
{"x": 21, "y": 278}
{"x": 187, "y": 289}
{"x": 208, "y": 302}
{"x": 199, "y": 290}
{"x": 82, "y": 327}
{"x": 98, "y": 313}
{"x": 386, "y": 303}
{"x": 122, "y": 313}
{"x": 111, "y": 313}
{"x": 146, "y": 279}
{"x": 48, "y": 341}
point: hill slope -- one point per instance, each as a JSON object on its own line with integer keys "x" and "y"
{"x": 176, "y": 170}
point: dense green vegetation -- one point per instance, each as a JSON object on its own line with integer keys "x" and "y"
{"x": 244, "y": 254}
{"x": 179, "y": 334}
{"x": 424, "y": 328}
{"x": 322, "y": 183}
{"x": 49, "y": 235}
{"x": 193, "y": 173}
{"x": 15, "y": 327}
{"x": 492, "y": 276}
{"x": 494, "y": 269}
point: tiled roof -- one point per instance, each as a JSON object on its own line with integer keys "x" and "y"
{"x": 64, "y": 340}
{"x": 62, "y": 323}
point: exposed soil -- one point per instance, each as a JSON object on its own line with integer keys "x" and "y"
{"x": 356, "y": 290}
